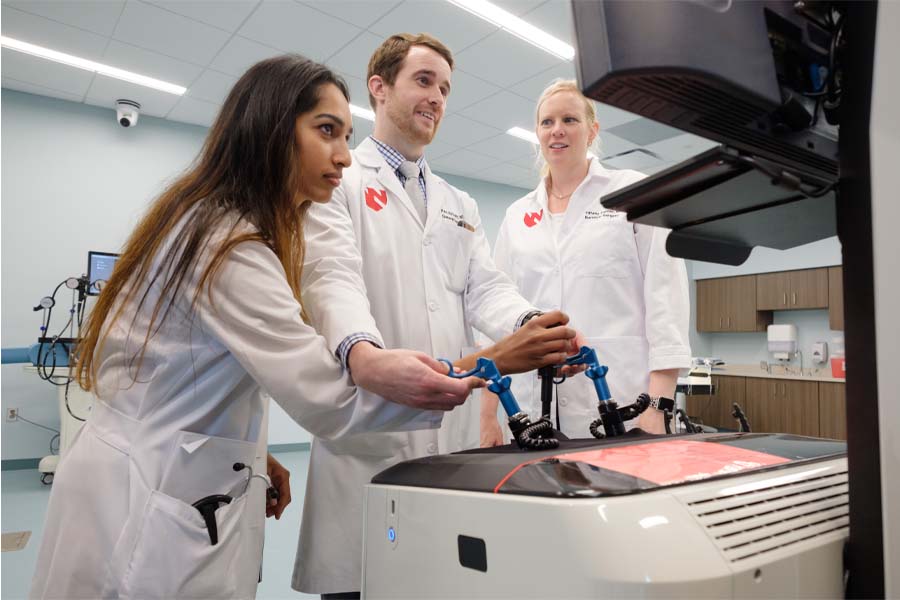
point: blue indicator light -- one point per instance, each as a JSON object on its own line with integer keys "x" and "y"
{"x": 392, "y": 535}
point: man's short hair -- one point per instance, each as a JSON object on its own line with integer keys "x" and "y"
{"x": 387, "y": 60}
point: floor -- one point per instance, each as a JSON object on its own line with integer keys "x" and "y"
{"x": 24, "y": 502}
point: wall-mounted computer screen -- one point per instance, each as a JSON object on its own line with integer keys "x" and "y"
{"x": 100, "y": 268}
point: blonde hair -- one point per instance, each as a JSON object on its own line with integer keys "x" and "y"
{"x": 565, "y": 85}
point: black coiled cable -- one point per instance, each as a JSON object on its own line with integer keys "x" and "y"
{"x": 595, "y": 429}
{"x": 530, "y": 437}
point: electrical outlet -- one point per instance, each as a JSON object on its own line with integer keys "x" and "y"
{"x": 12, "y": 414}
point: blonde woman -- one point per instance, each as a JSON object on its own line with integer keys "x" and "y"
{"x": 614, "y": 279}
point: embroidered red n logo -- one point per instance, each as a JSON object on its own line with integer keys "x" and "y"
{"x": 376, "y": 199}
{"x": 533, "y": 218}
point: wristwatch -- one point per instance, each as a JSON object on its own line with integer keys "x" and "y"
{"x": 662, "y": 403}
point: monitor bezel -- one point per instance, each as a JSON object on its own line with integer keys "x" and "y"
{"x": 91, "y": 255}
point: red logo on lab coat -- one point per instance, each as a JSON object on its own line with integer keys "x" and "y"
{"x": 533, "y": 218}
{"x": 376, "y": 199}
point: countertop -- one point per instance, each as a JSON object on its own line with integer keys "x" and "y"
{"x": 778, "y": 372}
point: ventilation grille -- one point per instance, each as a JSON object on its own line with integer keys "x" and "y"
{"x": 751, "y": 523}
{"x": 707, "y": 109}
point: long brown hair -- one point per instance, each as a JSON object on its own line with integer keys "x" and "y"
{"x": 247, "y": 171}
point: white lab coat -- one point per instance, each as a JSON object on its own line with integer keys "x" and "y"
{"x": 614, "y": 279}
{"x": 372, "y": 267}
{"x": 120, "y": 522}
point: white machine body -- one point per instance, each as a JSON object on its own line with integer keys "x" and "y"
{"x": 773, "y": 534}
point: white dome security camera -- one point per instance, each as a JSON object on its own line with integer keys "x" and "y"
{"x": 127, "y": 112}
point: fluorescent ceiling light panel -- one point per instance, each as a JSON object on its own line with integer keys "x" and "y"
{"x": 89, "y": 65}
{"x": 524, "y": 134}
{"x": 362, "y": 113}
{"x": 516, "y": 26}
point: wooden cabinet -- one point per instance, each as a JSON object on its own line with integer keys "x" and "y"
{"x": 715, "y": 410}
{"x": 788, "y": 290}
{"x": 708, "y": 304}
{"x": 729, "y": 304}
{"x": 836, "y": 298}
{"x": 832, "y": 411}
{"x": 782, "y": 406}
{"x": 772, "y": 291}
{"x": 811, "y": 408}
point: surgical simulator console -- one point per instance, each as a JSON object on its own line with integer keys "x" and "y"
{"x": 620, "y": 513}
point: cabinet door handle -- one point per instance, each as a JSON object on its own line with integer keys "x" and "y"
{"x": 720, "y": 322}
{"x": 784, "y": 389}
{"x": 774, "y": 389}
{"x": 784, "y": 300}
{"x": 793, "y": 297}
{"x": 729, "y": 322}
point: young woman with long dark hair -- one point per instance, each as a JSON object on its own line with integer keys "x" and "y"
{"x": 201, "y": 322}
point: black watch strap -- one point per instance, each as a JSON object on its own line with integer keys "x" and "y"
{"x": 662, "y": 403}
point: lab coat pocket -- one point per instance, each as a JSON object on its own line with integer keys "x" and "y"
{"x": 607, "y": 252}
{"x": 200, "y": 465}
{"x": 452, "y": 248}
{"x": 173, "y": 558}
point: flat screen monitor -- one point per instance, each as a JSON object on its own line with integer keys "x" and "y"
{"x": 100, "y": 268}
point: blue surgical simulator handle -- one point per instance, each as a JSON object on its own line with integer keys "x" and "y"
{"x": 487, "y": 370}
{"x": 598, "y": 376}
{"x": 595, "y": 371}
{"x": 528, "y": 435}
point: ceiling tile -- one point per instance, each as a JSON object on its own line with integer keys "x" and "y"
{"x": 353, "y": 58}
{"x": 681, "y": 147}
{"x": 359, "y": 94}
{"x": 504, "y": 59}
{"x": 21, "y": 86}
{"x": 502, "y": 111}
{"x": 460, "y": 131}
{"x": 104, "y": 91}
{"x": 30, "y": 28}
{"x": 189, "y": 42}
{"x": 554, "y": 17}
{"x": 633, "y": 160}
{"x": 657, "y": 168}
{"x": 504, "y": 147}
{"x": 159, "y": 30}
{"x": 298, "y": 28}
{"x": 518, "y": 7}
{"x": 510, "y": 174}
{"x": 227, "y": 15}
{"x": 532, "y": 88}
{"x": 455, "y": 27}
{"x": 610, "y": 116}
{"x": 466, "y": 90}
{"x": 644, "y": 131}
{"x": 45, "y": 73}
{"x": 212, "y": 86}
{"x": 361, "y": 13}
{"x": 99, "y": 16}
{"x": 239, "y": 54}
{"x": 439, "y": 148}
{"x": 610, "y": 145}
{"x": 197, "y": 112}
{"x": 529, "y": 161}
{"x": 460, "y": 162}
{"x": 152, "y": 64}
